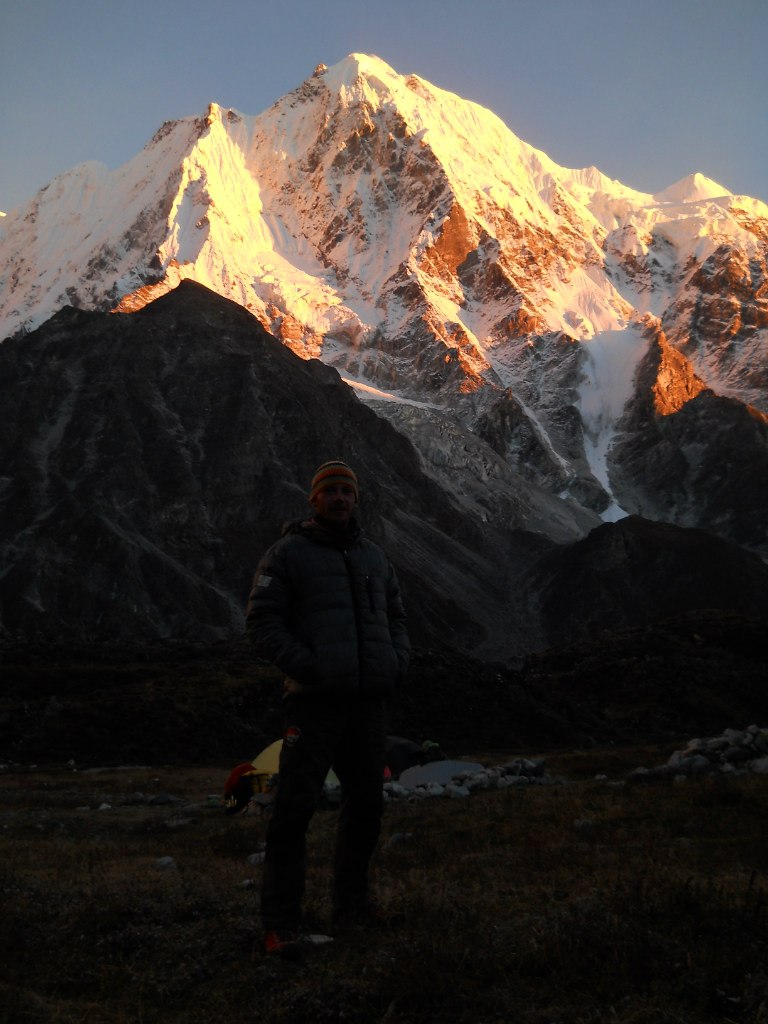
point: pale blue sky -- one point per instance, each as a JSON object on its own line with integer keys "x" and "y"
{"x": 646, "y": 90}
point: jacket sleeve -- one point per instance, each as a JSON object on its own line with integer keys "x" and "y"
{"x": 268, "y": 620}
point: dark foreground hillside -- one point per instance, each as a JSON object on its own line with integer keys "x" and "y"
{"x": 180, "y": 703}
{"x": 128, "y": 895}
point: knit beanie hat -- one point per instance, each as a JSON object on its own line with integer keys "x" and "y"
{"x": 333, "y": 472}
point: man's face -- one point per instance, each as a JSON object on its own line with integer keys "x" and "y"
{"x": 336, "y": 503}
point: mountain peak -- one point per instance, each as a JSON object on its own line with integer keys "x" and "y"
{"x": 447, "y": 269}
{"x": 691, "y": 189}
{"x": 355, "y": 64}
{"x": 359, "y": 77}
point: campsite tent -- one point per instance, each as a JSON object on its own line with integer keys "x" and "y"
{"x": 258, "y": 776}
{"x": 402, "y": 754}
{"x": 267, "y": 765}
{"x": 440, "y": 772}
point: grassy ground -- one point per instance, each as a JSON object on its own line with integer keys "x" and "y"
{"x": 582, "y": 903}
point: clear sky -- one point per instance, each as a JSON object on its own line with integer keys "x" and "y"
{"x": 648, "y": 91}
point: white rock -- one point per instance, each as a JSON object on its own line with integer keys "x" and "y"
{"x": 512, "y": 780}
{"x": 455, "y": 791}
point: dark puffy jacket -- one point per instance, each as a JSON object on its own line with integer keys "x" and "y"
{"x": 326, "y": 609}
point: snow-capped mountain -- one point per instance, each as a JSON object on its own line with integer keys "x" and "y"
{"x": 559, "y": 347}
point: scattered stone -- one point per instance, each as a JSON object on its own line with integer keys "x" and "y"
{"x": 399, "y": 839}
{"x": 394, "y": 791}
{"x": 160, "y": 799}
{"x": 735, "y": 752}
{"x": 584, "y": 824}
{"x": 455, "y": 791}
{"x": 465, "y": 782}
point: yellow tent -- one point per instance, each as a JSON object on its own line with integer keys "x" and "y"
{"x": 267, "y": 764}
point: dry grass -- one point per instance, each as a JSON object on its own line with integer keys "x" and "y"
{"x": 585, "y": 903}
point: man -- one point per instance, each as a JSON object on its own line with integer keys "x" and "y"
{"x": 325, "y": 607}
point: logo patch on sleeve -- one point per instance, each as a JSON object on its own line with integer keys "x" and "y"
{"x": 263, "y": 580}
{"x": 292, "y": 734}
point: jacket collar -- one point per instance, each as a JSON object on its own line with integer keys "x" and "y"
{"x": 323, "y": 532}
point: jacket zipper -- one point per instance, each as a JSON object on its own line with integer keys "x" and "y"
{"x": 356, "y": 609}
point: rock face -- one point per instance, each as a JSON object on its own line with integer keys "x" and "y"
{"x": 690, "y": 456}
{"x": 562, "y": 348}
{"x": 147, "y": 460}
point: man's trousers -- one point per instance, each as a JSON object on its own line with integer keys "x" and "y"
{"x": 348, "y": 736}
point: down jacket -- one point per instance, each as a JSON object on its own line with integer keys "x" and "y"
{"x": 325, "y": 607}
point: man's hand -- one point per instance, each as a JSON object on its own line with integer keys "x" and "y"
{"x": 291, "y": 686}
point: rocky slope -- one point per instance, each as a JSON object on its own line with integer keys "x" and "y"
{"x": 147, "y": 460}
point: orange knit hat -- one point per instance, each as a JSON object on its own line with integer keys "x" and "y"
{"x": 333, "y": 472}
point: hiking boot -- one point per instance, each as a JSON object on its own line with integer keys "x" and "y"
{"x": 284, "y": 944}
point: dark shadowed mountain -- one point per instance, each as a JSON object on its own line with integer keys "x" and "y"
{"x": 636, "y": 572}
{"x": 148, "y": 459}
